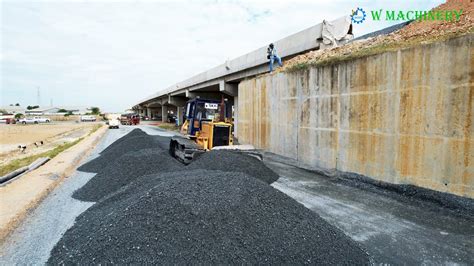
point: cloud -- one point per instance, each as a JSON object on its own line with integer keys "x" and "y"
{"x": 112, "y": 54}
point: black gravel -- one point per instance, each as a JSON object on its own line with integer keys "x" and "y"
{"x": 151, "y": 209}
{"x": 162, "y": 142}
{"x": 452, "y": 205}
{"x": 132, "y": 143}
{"x": 126, "y": 169}
{"x": 234, "y": 161}
{"x": 203, "y": 217}
{"x": 134, "y": 133}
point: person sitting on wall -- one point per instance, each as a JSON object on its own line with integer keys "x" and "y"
{"x": 272, "y": 55}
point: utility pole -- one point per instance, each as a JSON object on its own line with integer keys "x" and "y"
{"x": 38, "y": 96}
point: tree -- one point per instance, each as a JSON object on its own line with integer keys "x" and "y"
{"x": 29, "y": 107}
{"x": 68, "y": 113}
{"x": 95, "y": 110}
{"x": 18, "y": 116}
{"x": 62, "y": 111}
{"x": 17, "y": 104}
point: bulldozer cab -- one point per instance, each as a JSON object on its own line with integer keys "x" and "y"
{"x": 198, "y": 111}
{"x": 205, "y": 126}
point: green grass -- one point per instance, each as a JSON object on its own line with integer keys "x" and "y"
{"x": 299, "y": 66}
{"x": 18, "y": 163}
{"x": 374, "y": 50}
{"x": 170, "y": 127}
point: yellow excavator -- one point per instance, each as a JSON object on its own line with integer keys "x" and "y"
{"x": 207, "y": 125}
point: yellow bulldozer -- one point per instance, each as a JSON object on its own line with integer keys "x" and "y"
{"x": 207, "y": 125}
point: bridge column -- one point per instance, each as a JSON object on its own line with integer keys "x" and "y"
{"x": 179, "y": 114}
{"x": 203, "y": 95}
{"x": 180, "y": 103}
{"x": 164, "y": 113}
{"x": 236, "y": 116}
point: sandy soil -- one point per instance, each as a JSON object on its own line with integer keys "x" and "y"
{"x": 23, "y": 193}
{"x": 52, "y": 135}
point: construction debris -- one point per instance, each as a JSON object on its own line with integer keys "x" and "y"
{"x": 203, "y": 217}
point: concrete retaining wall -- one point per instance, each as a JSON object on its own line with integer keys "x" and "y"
{"x": 402, "y": 117}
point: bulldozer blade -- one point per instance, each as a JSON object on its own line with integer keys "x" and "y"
{"x": 184, "y": 150}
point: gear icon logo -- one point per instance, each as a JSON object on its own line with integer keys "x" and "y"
{"x": 358, "y": 16}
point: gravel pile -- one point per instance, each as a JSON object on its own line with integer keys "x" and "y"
{"x": 126, "y": 169}
{"x": 151, "y": 209}
{"x": 203, "y": 217}
{"x": 234, "y": 161}
{"x": 132, "y": 143}
{"x": 162, "y": 142}
{"x": 134, "y": 133}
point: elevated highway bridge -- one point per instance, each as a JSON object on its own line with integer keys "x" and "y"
{"x": 224, "y": 79}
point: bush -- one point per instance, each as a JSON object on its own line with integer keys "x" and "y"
{"x": 18, "y": 116}
{"x": 95, "y": 110}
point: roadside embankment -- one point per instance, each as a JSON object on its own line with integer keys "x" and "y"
{"x": 25, "y": 193}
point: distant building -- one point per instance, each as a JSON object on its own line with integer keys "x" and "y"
{"x": 13, "y": 109}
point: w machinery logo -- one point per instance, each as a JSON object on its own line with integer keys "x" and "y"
{"x": 358, "y": 16}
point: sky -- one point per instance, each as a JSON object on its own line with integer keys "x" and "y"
{"x": 112, "y": 54}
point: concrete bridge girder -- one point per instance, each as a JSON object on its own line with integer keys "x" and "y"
{"x": 204, "y": 95}
{"x": 230, "y": 89}
{"x": 177, "y": 101}
{"x": 255, "y": 62}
